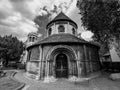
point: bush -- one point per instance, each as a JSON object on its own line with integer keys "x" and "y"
{"x": 20, "y": 66}
{"x": 113, "y": 67}
{"x": 12, "y": 64}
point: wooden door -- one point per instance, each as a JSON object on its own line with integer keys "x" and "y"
{"x": 61, "y": 66}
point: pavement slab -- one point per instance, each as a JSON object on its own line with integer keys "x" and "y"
{"x": 7, "y": 83}
{"x": 100, "y": 83}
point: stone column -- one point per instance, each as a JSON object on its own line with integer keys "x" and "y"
{"x": 78, "y": 64}
{"x": 85, "y": 59}
{"x": 70, "y": 68}
{"x": 53, "y": 69}
{"x": 67, "y": 27}
{"x": 46, "y": 68}
{"x": 54, "y": 29}
{"x": 40, "y": 61}
{"x": 90, "y": 61}
{"x": 73, "y": 67}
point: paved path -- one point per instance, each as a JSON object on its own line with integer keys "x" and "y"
{"x": 8, "y": 83}
{"x": 101, "y": 83}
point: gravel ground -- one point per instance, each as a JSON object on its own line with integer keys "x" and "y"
{"x": 101, "y": 83}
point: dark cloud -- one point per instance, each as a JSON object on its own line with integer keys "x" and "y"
{"x": 20, "y": 6}
{"x": 20, "y": 0}
{"x": 3, "y": 15}
{"x": 7, "y": 30}
{"x": 16, "y": 16}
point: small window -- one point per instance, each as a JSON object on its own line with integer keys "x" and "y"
{"x": 30, "y": 39}
{"x": 50, "y": 31}
{"x": 33, "y": 39}
{"x": 73, "y": 30}
{"x": 61, "y": 28}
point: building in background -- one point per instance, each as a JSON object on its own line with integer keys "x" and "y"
{"x": 31, "y": 39}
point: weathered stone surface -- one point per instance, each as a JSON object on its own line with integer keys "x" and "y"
{"x": 32, "y": 67}
{"x": 49, "y": 79}
{"x": 100, "y": 83}
{"x": 115, "y": 76}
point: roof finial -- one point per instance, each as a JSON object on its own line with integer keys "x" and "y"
{"x": 61, "y": 11}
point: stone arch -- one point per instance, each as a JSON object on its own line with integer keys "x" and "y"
{"x": 73, "y": 31}
{"x": 61, "y": 28}
{"x": 71, "y": 58}
{"x": 56, "y": 49}
{"x": 49, "y": 31}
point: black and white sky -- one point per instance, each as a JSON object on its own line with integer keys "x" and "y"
{"x": 16, "y": 16}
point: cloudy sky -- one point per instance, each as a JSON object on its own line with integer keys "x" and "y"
{"x": 16, "y": 16}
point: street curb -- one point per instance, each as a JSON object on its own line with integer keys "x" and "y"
{"x": 21, "y": 86}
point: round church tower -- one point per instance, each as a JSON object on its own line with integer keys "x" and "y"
{"x": 61, "y": 24}
{"x": 62, "y": 54}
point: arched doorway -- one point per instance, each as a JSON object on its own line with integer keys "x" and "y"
{"x": 69, "y": 59}
{"x": 61, "y": 66}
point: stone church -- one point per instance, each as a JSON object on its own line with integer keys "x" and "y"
{"x": 62, "y": 53}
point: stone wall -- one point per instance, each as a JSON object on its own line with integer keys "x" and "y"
{"x": 34, "y": 53}
{"x": 32, "y": 67}
{"x": 83, "y": 60}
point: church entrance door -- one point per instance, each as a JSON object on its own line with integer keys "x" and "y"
{"x": 61, "y": 66}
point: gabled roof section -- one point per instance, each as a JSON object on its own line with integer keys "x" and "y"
{"x": 62, "y": 17}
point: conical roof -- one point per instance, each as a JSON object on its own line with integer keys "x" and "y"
{"x": 61, "y": 17}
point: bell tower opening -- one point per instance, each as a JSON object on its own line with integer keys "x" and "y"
{"x": 61, "y": 29}
{"x": 61, "y": 66}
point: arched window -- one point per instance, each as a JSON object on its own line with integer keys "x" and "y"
{"x": 73, "y": 31}
{"x": 61, "y": 28}
{"x": 50, "y": 31}
{"x": 30, "y": 39}
{"x": 33, "y": 39}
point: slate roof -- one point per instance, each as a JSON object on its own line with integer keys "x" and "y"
{"x": 33, "y": 34}
{"x": 61, "y": 17}
{"x": 63, "y": 38}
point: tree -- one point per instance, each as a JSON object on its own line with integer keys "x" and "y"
{"x": 42, "y": 21}
{"x": 10, "y": 49}
{"x": 102, "y": 17}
